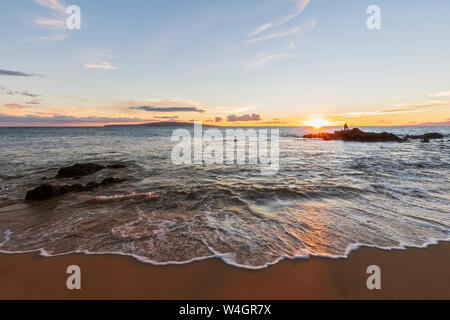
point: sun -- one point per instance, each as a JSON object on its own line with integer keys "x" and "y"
{"x": 317, "y": 123}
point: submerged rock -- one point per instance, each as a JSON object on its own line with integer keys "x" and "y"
{"x": 79, "y": 170}
{"x": 356, "y": 135}
{"x": 426, "y": 136}
{"x": 84, "y": 169}
{"x": 105, "y": 182}
{"x": 116, "y": 166}
{"x": 47, "y": 191}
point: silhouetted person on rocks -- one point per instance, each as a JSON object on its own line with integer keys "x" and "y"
{"x": 345, "y": 127}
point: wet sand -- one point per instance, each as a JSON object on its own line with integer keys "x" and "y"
{"x": 405, "y": 274}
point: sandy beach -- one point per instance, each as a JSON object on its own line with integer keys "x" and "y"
{"x": 405, "y": 274}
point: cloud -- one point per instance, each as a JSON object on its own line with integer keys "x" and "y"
{"x": 174, "y": 117}
{"x": 273, "y": 122}
{"x": 34, "y": 101}
{"x": 238, "y": 109}
{"x": 265, "y": 58}
{"x": 300, "y": 5}
{"x": 55, "y": 37}
{"x": 260, "y": 29}
{"x": 383, "y": 121}
{"x": 24, "y": 93}
{"x": 410, "y": 107}
{"x": 306, "y": 27}
{"x": 441, "y": 94}
{"x": 52, "y": 5}
{"x": 64, "y": 120}
{"x": 167, "y": 109}
{"x": 165, "y": 105}
{"x": 218, "y": 119}
{"x": 397, "y": 108}
{"x": 100, "y": 59}
{"x": 56, "y": 23}
{"x": 16, "y": 73}
{"x": 433, "y": 124}
{"x": 27, "y": 93}
{"x": 245, "y": 117}
{"x": 50, "y": 23}
{"x": 103, "y": 65}
{"x": 15, "y": 106}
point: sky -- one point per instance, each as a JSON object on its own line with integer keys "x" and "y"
{"x": 233, "y": 62}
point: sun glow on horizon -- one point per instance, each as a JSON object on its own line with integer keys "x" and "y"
{"x": 317, "y": 123}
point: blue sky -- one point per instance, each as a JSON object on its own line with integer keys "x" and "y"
{"x": 287, "y": 61}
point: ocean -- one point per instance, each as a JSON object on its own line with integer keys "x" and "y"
{"x": 327, "y": 199}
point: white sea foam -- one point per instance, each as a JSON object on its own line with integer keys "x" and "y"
{"x": 125, "y": 196}
{"x": 7, "y": 237}
{"x": 227, "y": 258}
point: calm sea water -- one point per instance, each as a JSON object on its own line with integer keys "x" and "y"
{"x": 328, "y": 197}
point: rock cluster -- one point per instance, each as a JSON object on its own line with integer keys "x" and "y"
{"x": 356, "y": 134}
{"x": 84, "y": 169}
{"x": 47, "y": 190}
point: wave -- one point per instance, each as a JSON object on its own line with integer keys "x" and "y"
{"x": 228, "y": 258}
{"x": 125, "y": 196}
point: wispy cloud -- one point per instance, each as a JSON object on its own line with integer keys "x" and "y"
{"x": 165, "y": 105}
{"x": 16, "y": 73}
{"x": 34, "y": 101}
{"x": 397, "y": 108}
{"x": 260, "y": 29}
{"x": 52, "y": 5}
{"x": 100, "y": 59}
{"x": 54, "y": 37}
{"x": 237, "y": 109}
{"x": 15, "y": 106}
{"x": 168, "y": 117}
{"x": 245, "y": 117}
{"x": 300, "y": 5}
{"x": 305, "y": 27}
{"x": 265, "y": 58}
{"x": 441, "y": 94}
{"x": 56, "y": 23}
{"x": 167, "y": 109}
{"x": 25, "y": 93}
{"x": 401, "y": 107}
{"x": 102, "y": 65}
{"x": 433, "y": 124}
{"x": 50, "y": 23}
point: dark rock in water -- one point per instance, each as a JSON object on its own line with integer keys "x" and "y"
{"x": 425, "y": 140}
{"x": 105, "y": 182}
{"x": 111, "y": 180}
{"x": 426, "y": 136}
{"x": 79, "y": 170}
{"x": 44, "y": 191}
{"x": 47, "y": 191}
{"x": 84, "y": 169}
{"x": 116, "y": 166}
{"x": 356, "y": 135}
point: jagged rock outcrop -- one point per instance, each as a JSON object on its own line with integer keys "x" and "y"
{"x": 426, "y": 136}
{"x": 46, "y": 191}
{"x": 84, "y": 169}
{"x": 356, "y": 135}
